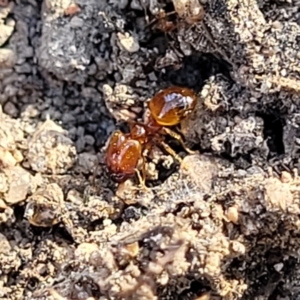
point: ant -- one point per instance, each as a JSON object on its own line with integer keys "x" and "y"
{"x": 125, "y": 152}
{"x": 187, "y": 11}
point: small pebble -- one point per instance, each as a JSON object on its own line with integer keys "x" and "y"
{"x": 24, "y": 68}
{"x": 10, "y": 109}
{"x": 89, "y": 140}
{"x": 68, "y": 118}
{"x": 128, "y": 42}
{"x": 27, "y": 52}
{"x": 76, "y": 22}
{"x": 278, "y": 267}
{"x": 7, "y": 58}
{"x": 136, "y": 5}
{"x": 6, "y": 31}
{"x": 19, "y": 187}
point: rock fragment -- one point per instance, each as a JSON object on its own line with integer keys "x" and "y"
{"x": 66, "y": 48}
{"x": 45, "y": 206}
{"x": 50, "y": 150}
{"x": 7, "y": 24}
{"x": 7, "y": 58}
{"x": 20, "y": 184}
{"x": 128, "y": 42}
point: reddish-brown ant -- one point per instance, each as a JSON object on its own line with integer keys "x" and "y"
{"x": 125, "y": 152}
{"x": 187, "y": 11}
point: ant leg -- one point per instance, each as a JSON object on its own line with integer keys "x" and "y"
{"x": 178, "y": 137}
{"x": 162, "y": 16}
{"x": 144, "y": 170}
{"x": 171, "y": 151}
{"x": 142, "y": 179}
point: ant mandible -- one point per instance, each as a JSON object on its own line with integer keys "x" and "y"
{"x": 125, "y": 152}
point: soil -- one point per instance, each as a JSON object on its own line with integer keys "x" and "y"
{"x": 223, "y": 224}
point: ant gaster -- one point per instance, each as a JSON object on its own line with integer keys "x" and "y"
{"x": 125, "y": 152}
